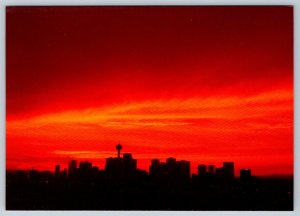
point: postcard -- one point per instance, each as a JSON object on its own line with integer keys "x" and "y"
{"x": 149, "y": 108}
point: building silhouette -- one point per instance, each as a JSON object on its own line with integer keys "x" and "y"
{"x": 57, "y": 171}
{"x": 168, "y": 186}
{"x": 171, "y": 168}
{"x": 245, "y": 174}
{"x": 202, "y": 170}
{"x": 211, "y": 169}
{"x": 129, "y": 164}
{"x": 121, "y": 167}
{"x": 228, "y": 170}
{"x": 85, "y": 166}
{"x": 72, "y": 169}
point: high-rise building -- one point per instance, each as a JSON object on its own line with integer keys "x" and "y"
{"x": 219, "y": 172}
{"x": 64, "y": 173}
{"x": 155, "y": 162}
{"x": 72, "y": 167}
{"x": 228, "y": 168}
{"x": 184, "y": 169}
{"x": 124, "y": 166}
{"x": 129, "y": 163}
{"x": 211, "y": 169}
{"x": 154, "y": 167}
{"x": 114, "y": 166}
{"x": 245, "y": 174}
{"x": 57, "y": 170}
{"x": 85, "y": 166}
{"x": 172, "y": 167}
{"x": 171, "y": 161}
{"x": 201, "y": 169}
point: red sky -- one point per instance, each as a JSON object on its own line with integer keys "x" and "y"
{"x": 205, "y": 84}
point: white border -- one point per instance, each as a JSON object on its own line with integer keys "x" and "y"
{"x": 296, "y": 5}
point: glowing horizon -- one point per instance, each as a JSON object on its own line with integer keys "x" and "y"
{"x": 196, "y": 86}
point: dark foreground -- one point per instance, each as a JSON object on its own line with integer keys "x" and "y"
{"x": 32, "y": 190}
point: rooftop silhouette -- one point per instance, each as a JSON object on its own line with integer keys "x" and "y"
{"x": 122, "y": 186}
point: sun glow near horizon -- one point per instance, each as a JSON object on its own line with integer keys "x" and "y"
{"x": 205, "y": 84}
{"x": 220, "y": 122}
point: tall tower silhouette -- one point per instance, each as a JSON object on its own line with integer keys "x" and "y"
{"x": 119, "y": 147}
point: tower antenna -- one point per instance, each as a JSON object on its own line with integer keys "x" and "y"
{"x": 119, "y": 147}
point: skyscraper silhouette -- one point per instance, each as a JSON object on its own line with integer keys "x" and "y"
{"x": 57, "y": 170}
{"x": 211, "y": 169}
{"x": 201, "y": 169}
{"x": 72, "y": 167}
{"x": 122, "y": 186}
{"x": 228, "y": 170}
{"x": 245, "y": 174}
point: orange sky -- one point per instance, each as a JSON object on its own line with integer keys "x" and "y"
{"x": 205, "y": 84}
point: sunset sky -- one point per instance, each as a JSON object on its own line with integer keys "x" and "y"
{"x": 205, "y": 84}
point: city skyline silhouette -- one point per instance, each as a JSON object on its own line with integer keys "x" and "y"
{"x": 149, "y": 108}
{"x": 198, "y": 86}
{"x": 91, "y": 188}
{"x": 111, "y": 162}
{"x": 201, "y": 168}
